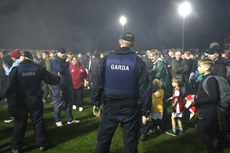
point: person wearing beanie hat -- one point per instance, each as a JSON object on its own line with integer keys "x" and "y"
{"x": 214, "y": 45}
{"x": 52, "y": 51}
{"x": 25, "y": 83}
{"x": 15, "y": 54}
{"x": 122, "y": 79}
{"x": 69, "y": 57}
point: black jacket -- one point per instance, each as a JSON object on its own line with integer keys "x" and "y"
{"x": 220, "y": 67}
{"x": 8, "y": 61}
{"x": 60, "y": 65}
{"x": 148, "y": 63}
{"x": 207, "y": 105}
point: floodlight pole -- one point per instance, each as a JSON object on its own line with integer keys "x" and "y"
{"x": 183, "y": 28}
{"x": 123, "y": 22}
{"x": 184, "y": 10}
{"x": 122, "y": 28}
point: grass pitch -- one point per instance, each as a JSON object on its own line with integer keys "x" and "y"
{"x": 82, "y": 137}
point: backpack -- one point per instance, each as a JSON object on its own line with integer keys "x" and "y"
{"x": 224, "y": 88}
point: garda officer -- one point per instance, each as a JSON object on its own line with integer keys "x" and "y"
{"x": 25, "y": 84}
{"x": 123, "y": 79}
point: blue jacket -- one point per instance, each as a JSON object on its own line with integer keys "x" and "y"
{"x": 120, "y": 76}
{"x": 59, "y": 65}
{"x": 25, "y": 79}
{"x": 143, "y": 83}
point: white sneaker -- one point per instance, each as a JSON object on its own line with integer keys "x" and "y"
{"x": 53, "y": 102}
{"x": 74, "y": 107}
{"x": 11, "y": 119}
{"x": 73, "y": 121}
{"x": 80, "y": 109}
{"x": 59, "y": 124}
{"x": 88, "y": 87}
{"x": 43, "y": 100}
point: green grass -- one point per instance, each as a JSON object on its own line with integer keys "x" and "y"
{"x": 82, "y": 137}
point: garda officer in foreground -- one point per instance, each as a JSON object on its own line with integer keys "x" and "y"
{"x": 25, "y": 84}
{"x": 123, "y": 80}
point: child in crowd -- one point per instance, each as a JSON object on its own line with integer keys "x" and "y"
{"x": 157, "y": 105}
{"x": 207, "y": 124}
{"x": 177, "y": 105}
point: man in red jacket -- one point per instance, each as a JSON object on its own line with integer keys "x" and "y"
{"x": 78, "y": 75}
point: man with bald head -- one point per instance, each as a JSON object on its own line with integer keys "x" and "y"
{"x": 180, "y": 68}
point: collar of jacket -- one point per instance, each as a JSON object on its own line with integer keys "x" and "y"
{"x": 124, "y": 50}
{"x": 159, "y": 59}
{"x": 26, "y": 61}
{"x": 204, "y": 76}
{"x": 61, "y": 60}
{"x": 6, "y": 58}
{"x": 221, "y": 61}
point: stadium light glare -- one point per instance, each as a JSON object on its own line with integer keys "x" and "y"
{"x": 184, "y": 9}
{"x": 123, "y": 21}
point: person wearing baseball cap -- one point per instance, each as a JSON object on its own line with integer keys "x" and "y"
{"x": 26, "y": 55}
{"x": 122, "y": 79}
{"x": 25, "y": 80}
{"x": 220, "y": 64}
{"x": 127, "y": 39}
{"x": 62, "y": 91}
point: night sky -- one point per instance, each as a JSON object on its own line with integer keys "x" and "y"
{"x": 86, "y": 25}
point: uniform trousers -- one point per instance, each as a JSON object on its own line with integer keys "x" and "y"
{"x": 129, "y": 119}
{"x": 34, "y": 106}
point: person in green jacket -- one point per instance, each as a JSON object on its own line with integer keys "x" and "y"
{"x": 160, "y": 72}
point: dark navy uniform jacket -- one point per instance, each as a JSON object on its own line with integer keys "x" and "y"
{"x": 25, "y": 80}
{"x": 134, "y": 74}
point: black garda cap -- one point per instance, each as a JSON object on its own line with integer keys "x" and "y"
{"x": 128, "y": 36}
{"x": 27, "y": 54}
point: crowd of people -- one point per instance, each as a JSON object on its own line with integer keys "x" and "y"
{"x": 163, "y": 80}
